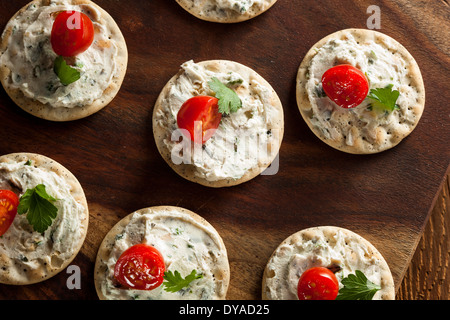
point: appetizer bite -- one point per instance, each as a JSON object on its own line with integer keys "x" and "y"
{"x": 162, "y": 253}
{"x": 360, "y": 91}
{"x": 218, "y": 123}
{"x": 226, "y": 11}
{"x": 62, "y": 60}
{"x": 43, "y": 218}
{"x": 327, "y": 263}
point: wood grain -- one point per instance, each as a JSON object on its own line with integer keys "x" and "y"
{"x": 428, "y": 276}
{"x": 387, "y": 198}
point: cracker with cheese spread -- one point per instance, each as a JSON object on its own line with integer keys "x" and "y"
{"x": 246, "y": 141}
{"x": 389, "y": 113}
{"x": 188, "y": 245}
{"x": 338, "y": 249}
{"x": 33, "y": 253}
{"x": 27, "y": 62}
{"x": 226, "y": 11}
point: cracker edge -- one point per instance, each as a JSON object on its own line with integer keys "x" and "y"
{"x": 188, "y": 5}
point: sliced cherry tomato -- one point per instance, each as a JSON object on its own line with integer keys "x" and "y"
{"x": 346, "y": 85}
{"x": 317, "y": 283}
{"x": 72, "y": 33}
{"x": 8, "y": 209}
{"x": 199, "y": 115}
{"x": 140, "y": 267}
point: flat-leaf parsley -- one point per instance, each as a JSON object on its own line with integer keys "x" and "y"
{"x": 65, "y": 73}
{"x": 38, "y": 206}
{"x": 174, "y": 281}
{"x": 229, "y": 101}
{"x": 357, "y": 287}
{"x": 384, "y": 99}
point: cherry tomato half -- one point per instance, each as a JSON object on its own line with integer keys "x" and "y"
{"x": 72, "y": 33}
{"x": 200, "y": 115}
{"x": 140, "y": 267}
{"x": 8, "y": 209}
{"x": 317, "y": 283}
{"x": 346, "y": 85}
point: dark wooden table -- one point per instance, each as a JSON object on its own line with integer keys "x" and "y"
{"x": 387, "y": 197}
{"x": 428, "y": 275}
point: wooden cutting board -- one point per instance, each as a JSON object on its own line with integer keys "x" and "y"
{"x": 384, "y": 197}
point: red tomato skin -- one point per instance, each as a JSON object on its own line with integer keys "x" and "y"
{"x": 346, "y": 85}
{"x": 199, "y": 108}
{"x": 72, "y": 33}
{"x": 144, "y": 264}
{"x": 8, "y": 209}
{"x": 317, "y": 283}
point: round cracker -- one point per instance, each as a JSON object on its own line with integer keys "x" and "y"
{"x": 207, "y": 10}
{"x": 188, "y": 171}
{"x": 22, "y": 276}
{"x": 222, "y": 268}
{"x": 361, "y": 145}
{"x": 387, "y": 291}
{"x": 45, "y": 111}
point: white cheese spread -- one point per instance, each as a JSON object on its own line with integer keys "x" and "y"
{"x": 30, "y": 57}
{"x": 382, "y": 68}
{"x": 185, "y": 245}
{"x": 29, "y": 249}
{"x": 292, "y": 259}
{"x": 240, "y": 6}
{"x": 243, "y": 139}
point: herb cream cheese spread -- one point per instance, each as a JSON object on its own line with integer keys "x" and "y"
{"x": 29, "y": 250}
{"x": 244, "y": 139}
{"x": 185, "y": 245}
{"x": 240, "y": 6}
{"x": 30, "y": 57}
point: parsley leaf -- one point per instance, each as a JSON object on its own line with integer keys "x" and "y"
{"x": 357, "y": 287}
{"x": 229, "y": 101}
{"x": 384, "y": 98}
{"x": 175, "y": 282}
{"x": 65, "y": 73}
{"x": 38, "y": 206}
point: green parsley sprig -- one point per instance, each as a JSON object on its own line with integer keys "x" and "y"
{"x": 65, "y": 73}
{"x": 174, "y": 282}
{"x": 38, "y": 206}
{"x": 357, "y": 287}
{"x": 384, "y": 99}
{"x": 229, "y": 101}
